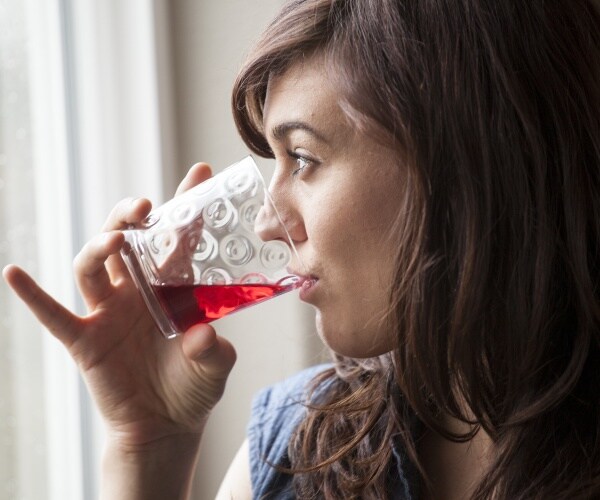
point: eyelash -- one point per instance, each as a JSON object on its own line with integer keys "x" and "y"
{"x": 306, "y": 162}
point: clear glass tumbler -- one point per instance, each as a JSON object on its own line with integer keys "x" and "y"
{"x": 197, "y": 258}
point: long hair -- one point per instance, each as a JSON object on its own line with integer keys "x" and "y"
{"x": 494, "y": 108}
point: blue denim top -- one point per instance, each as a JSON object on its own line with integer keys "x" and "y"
{"x": 276, "y": 412}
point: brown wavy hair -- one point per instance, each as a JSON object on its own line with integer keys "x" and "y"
{"x": 494, "y": 108}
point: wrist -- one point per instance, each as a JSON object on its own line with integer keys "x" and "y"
{"x": 161, "y": 469}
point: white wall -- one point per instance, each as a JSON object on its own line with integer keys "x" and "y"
{"x": 209, "y": 40}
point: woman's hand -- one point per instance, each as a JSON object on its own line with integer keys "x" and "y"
{"x": 147, "y": 388}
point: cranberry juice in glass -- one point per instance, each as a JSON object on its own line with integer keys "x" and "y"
{"x": 188, "y": 305}
{"x": 198, "y": 257}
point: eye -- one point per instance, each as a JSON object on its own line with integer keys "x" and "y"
{"x": 301, "y": 162}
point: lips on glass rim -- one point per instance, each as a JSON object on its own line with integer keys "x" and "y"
{"x": 303, "y": 278}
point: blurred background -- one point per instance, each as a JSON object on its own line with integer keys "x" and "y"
{"x": 99, "y": 101}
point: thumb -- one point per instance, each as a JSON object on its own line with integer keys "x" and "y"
{"x": 215, "y": 354}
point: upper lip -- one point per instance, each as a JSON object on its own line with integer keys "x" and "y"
{"x": 303, "y": 277}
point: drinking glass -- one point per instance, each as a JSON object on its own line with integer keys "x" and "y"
{"x": 197, "y": 258}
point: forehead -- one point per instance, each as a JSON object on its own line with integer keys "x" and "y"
{"x": 304, "y": 92}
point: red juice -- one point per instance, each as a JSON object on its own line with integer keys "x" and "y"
{"x": 188, "y": 305}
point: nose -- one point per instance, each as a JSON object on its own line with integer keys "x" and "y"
{"x": 278, "y": 218}
{"x": 267, "y": 225}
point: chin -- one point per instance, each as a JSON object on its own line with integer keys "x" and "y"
{"x": 346, "y": 340}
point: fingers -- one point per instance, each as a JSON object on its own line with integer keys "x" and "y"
{"x": 91, "y": 273}
{"x": 98, "y": 263}
{"x": 61, "y": 322}
{"x": 197, "y": 173}
{"x": 127, "y": 213}
{"x": 215, "y": 354}
{"x": 132, "y": 211}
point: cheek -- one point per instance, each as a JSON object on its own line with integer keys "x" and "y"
{"x": 361, "y": 230}
{"x": 364, "y": 255}
{"x": 359, "y": 258}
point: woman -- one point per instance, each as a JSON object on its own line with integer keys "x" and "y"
{"x": 438, "y": 166}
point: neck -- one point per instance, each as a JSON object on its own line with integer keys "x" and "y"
{"x": 455, "y": 469}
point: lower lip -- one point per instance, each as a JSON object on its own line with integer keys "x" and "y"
{"x": 307, "y": 288}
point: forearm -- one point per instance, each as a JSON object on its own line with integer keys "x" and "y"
{"x": 164, "y": 470}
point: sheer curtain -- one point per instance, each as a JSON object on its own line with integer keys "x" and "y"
{"x": 22, "y": 423}
{"x": 84, "y": 121}
{"x": 39, "y": 391}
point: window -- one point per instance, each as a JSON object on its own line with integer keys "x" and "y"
{"x": 22, "y": 414}
{"x": 80, "y": 108}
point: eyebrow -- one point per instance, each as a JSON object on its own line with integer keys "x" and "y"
{"x": 279, "y": 131}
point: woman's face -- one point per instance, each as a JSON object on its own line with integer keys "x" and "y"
{"x": 337, "y": 191}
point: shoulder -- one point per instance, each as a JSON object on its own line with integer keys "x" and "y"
{"x": 286, "y": 395}
{"x": 276, "y": 412}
